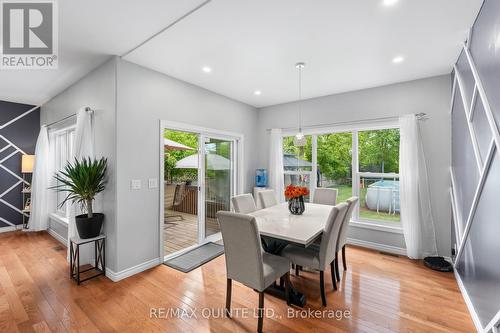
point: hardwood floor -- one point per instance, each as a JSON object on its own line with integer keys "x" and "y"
{"x": 384, "y": 294}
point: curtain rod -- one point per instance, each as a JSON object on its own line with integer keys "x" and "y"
{"x": 420, "y": 116}
{"x": 68, "y": 117}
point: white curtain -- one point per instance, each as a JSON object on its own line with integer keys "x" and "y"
{"x": 83, "y": 147}
{"x": 416, "y": 214}
{"x": 42, "y": 171}
{"x": 276, "y": 176}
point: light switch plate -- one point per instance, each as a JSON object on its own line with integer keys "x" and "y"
{"x": 153, "y": 182}
{"x": 135, "y": 184}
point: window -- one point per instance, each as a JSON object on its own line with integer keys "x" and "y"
{"x": 335, "y": 163}
{"x": 62, "y": 143}
{"x": 378, "y": 178}
{"x": 297, "y": 163}
{"x": 359, "y": 162}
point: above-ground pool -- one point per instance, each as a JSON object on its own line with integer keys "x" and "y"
{"x": 383, "y": 196}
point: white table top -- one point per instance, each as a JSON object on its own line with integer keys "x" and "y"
{"x": 278, "y": 222}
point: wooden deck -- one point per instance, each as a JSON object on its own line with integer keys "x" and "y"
{"x": 383, "y": 294}
{"x": 181, "y": 230}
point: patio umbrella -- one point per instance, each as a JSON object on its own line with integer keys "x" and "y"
{"x": 214, "y": 162}
{"x": 172, "y": 145}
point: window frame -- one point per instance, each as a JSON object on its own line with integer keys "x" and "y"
{"x": 61, "y": 139}
{"x": 300, "y": 173}
{"x": 311, "y": 174}
{"x": 353, "y": 128}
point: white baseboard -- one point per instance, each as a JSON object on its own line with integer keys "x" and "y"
{"x": 58, "y": 237}
{"x": 377, "y": 246}
{"x": 468, "y": 302}
{"x": 117, "y": 276}
{"x": 10, "y": 228}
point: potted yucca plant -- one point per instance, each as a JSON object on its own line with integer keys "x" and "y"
{"x": 83, "y": 180}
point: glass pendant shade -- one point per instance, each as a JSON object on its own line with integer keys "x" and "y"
{"x": 299, "y": 140}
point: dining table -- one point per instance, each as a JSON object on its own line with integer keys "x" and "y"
{"x": 277, "y": 223}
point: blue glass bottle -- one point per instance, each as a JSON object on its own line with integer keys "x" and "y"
{"x": 261, "y": 177}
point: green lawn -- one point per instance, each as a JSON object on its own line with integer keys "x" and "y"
{"x": 345, "y": 192}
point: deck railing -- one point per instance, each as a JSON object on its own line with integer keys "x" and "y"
{"x": 189, "y": 202}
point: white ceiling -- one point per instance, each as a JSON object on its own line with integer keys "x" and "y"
{"x": 253, "y": 45}
{"x": 90, "y": 31}
{"x": 347, "y": 45}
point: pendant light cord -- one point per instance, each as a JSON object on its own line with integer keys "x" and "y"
{"x": 300, "y": 97}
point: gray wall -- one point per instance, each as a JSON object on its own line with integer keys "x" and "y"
{"x": 23, "y": 133}
{"x": 59, "y": 229}
{"x": 431, "y": 96}
{"x": 130, "y": 100}
{"x": 96, "y": 90}
{"x": 144, "y": 98}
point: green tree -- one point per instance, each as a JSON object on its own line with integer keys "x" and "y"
{"x": 335, "y": 155}
{"x": 379, "y": 150}
{"x": 303, "y": 153}
{"x": 172, "y": 156}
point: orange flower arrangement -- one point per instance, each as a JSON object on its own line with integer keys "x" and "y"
{"x": 292, "y": 191}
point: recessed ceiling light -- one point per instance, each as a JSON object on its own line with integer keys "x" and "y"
{"x": 206, "y": 69}
{"x": 257, "y": 92}
{"x": 398, "y": 59}
{"x": 390, "y": 2}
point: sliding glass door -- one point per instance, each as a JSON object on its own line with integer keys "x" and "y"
{"x": 181, "y": 182}
{"x": 219, "y": 181}
{"x": 200, "y": 169}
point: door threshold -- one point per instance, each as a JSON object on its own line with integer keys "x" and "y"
{"x": 180, "y": 252}
{"x": 213, "y": 238}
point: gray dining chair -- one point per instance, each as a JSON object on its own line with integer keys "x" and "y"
{"x": 246, "y": 262}
{"x": 325, "y": 196}
{"x": 320, "y": 259}
{"x": 267, "y": 198}
{"x": 352, "y": 202}
{"x": 244, "y": 203}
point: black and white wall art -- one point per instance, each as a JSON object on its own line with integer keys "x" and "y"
{"x": 475, "y": 170}
{"x": 19, "y": 127}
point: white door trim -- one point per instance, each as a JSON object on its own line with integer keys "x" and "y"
{"x": 203, "y": 132}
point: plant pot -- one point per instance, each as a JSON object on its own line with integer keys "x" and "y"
{"x": 89, "y": 227}
{"x": 296, "y": 205}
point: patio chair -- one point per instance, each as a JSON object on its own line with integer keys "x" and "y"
{"x": 179, "y": 194}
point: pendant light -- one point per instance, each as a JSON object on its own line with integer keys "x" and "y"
{"x": 300, "y": 139}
